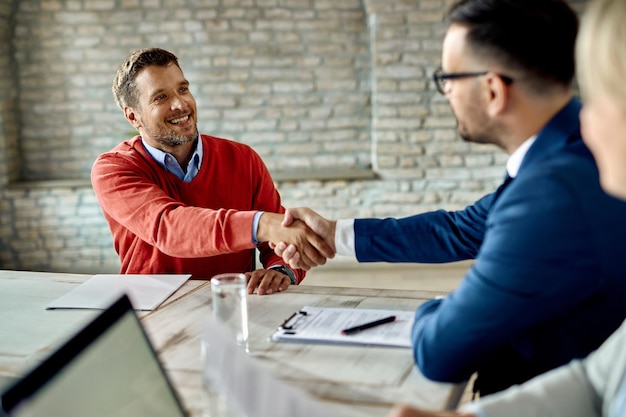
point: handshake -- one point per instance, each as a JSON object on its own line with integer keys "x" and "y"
{"x": 302, "y": 237}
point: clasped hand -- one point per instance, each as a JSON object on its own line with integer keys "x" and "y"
{"x": 300, "y": 254}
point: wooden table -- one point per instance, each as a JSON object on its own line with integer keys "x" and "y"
{"x": 356, "y": 380}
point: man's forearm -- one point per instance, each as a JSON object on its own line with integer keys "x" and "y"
{"x": 268, "y": 222}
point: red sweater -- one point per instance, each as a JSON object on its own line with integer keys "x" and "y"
{"x": 161, "y": 224}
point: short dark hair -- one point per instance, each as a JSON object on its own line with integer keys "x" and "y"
{"x": 124, "y": 88}
{"x": 533, "y": 37}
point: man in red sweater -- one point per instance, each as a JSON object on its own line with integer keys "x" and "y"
{"x": 177, "y": 201}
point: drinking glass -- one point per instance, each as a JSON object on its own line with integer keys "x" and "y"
{"x": 230, "y": 307}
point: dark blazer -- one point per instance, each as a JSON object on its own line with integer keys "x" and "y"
{"x": 549, "y": 279}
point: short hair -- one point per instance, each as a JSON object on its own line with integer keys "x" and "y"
{"x": 124, "y": 87}
{"x": 601, "y": 50}
{"x": 535, "y": 39}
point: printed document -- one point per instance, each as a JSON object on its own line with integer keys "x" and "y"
{"x": 146, "y": 292}
{"x": 325, "y": 325}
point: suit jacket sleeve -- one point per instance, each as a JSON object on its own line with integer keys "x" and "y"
{"x": 434, "y": 237}
{"x": 504, "y": 293}
{"x": 580, "y": 389}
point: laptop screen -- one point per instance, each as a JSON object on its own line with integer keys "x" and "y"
{"x": 108, "y": 369}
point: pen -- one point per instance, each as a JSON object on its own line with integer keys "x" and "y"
{"x": 369, "y": 325}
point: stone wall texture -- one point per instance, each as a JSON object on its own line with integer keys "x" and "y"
{"x": 335, "y": 95}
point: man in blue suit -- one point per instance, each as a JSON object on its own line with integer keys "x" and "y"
{"x": 548, "y": 283}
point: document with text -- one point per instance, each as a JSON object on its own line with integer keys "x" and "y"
{"x": 146, "y": 292}
{"x": 354, "y": 326}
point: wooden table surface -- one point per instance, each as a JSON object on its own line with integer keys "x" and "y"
{"x": 356, "y": 380}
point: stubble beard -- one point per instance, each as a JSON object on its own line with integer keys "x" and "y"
{"x": 479, "y": 138}
{"x": 169, "y": 138}
{"x": 172, "y": 139}
{"x": 485, "y": 136}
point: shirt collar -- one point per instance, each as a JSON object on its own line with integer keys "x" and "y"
{"x": 516, "y": 158}
{"x": 162, "y": 157}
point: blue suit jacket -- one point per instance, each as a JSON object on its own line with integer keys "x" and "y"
{"x": 549, "y": 279}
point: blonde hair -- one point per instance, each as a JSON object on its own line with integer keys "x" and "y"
{"x": 601, "y": 50}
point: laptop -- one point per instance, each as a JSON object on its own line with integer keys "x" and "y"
{"x": 108, "y": 369}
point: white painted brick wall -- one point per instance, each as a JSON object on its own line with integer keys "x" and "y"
{"x": 310, "y": 84}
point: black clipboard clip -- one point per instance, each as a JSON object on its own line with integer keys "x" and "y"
{"x": 292, "y": 320}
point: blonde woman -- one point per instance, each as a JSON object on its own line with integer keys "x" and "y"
{"x": 595, "y": 386}
{"x": 601, "y": 60}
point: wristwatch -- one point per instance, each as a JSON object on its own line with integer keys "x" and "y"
{"x": 287, "y": 271}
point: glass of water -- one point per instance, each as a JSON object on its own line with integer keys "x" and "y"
{"x": 230, "y": 307}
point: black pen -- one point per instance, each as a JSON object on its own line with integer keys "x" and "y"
{"x": 369, "y": 325}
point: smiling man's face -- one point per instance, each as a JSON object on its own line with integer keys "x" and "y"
{"x": 166, "y": 113}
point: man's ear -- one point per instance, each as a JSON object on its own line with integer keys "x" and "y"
{"x": 133, "y": 117}
{"x": 498, "y": 94}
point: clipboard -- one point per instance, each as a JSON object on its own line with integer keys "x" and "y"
{"x": 325, "y": 324}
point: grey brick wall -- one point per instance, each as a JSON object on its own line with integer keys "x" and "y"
{"x": 324, "y": 90}
{"x": 9, "y": 166}
{"x": 290, "y": 78}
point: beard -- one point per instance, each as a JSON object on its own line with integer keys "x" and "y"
{"x": 169, "y": 138}
{"x": 474, "y": 137}
{"x": 483, "y": 137}
{"x": 484, "y": 131}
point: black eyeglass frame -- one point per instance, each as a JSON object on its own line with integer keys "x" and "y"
{"x": 439, "y": 77}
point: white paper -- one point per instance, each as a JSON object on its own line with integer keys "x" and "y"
{"x": 252, "y": 390}
{"x": 324, "y": 325}
{"x": 146, "y": 292}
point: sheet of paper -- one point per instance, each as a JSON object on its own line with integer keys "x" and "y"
{"x": 324, "y": 325}
{"x": 146, "y": 292}
{"x": 251, "y": 389}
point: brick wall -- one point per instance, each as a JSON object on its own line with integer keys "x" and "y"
{"x": 8, "y": 129}
{"x": 9, "y": 167}
{"x": 291, "y": 78}
{"x": 335, "y": 96}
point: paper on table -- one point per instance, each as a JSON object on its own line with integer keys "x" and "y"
{"x": 251, "y": 389}
{"x": 324, "y": 325}
{"x": 146, "y": 292}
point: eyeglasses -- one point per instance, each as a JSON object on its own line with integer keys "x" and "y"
{"x": 441, "y": 78}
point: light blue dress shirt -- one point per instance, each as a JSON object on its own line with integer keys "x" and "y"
{"x": 168, "y": 162}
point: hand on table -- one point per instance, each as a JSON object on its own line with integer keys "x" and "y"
{"x": 267, "y": 281}
{"x": 312, "y": 249}
{"x": 324, "y": 228}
